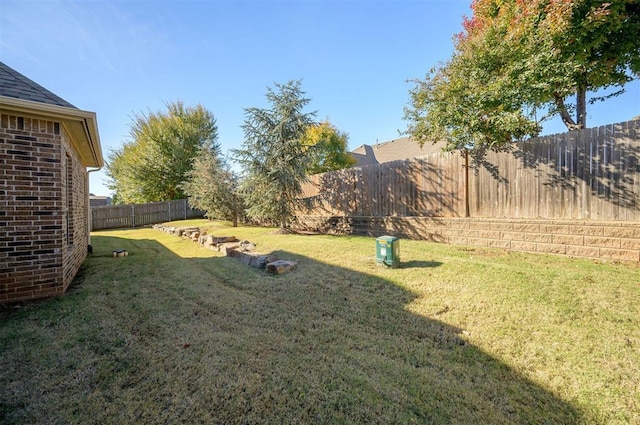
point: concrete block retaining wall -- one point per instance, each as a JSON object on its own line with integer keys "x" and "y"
{"x": 588, "y": 239}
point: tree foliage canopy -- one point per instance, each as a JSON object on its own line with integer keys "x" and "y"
{"x": 518, "y": 62}
{"x": 327, "y": 148}
{"x": 273, "y": 155}
{"x": 154, "y": 163}
{"x": 213, "y": 187}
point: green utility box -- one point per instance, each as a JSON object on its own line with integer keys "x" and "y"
{"x": 388, "y": 251}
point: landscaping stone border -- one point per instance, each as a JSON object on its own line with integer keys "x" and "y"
{"x": 230, "y": 246}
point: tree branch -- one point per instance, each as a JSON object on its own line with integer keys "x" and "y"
{"x": 564, "y": 114}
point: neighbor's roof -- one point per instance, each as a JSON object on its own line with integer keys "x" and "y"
{"x": 19, "y": 94}
{"x": 393, "y": 150}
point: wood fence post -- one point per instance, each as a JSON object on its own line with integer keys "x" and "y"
{"x": 466, "y": 183}
{"x": 133, "y": 216}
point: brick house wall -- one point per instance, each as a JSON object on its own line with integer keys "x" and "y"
{"x": 43, "y": 208}
{"x": 46, "y": 145}
{"x": 76, "y": 200}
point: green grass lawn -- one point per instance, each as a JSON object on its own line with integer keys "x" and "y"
{"x": 175, "y": 333}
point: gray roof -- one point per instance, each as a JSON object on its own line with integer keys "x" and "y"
{"x": 13, "y": 84}
{"x": 393, "y": 150}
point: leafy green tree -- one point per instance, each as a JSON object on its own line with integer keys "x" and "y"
{"x": 121, "y": 169}
{"x": 213, "y": 187}
{"x": 273, "y": 156}
{"x": 518, "y": 63}
{"x": 154, "y": 163}
{"x": 327, "y": 148}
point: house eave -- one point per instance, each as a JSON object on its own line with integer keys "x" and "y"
{"x": 82, "y": 126}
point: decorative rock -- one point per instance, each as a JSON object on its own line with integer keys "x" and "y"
{"x": 262, "y": 261}
{"x": 280, "y": 266}
{"x": 258, "y": 261}
{"x": 227, "y": 248}
{"x": 225, "y": 239}
{"x": 238, "y": 254}
{"x": 247, "y": 246}
{"x": 186, "y": 231}
{"x": 213, "y": 241}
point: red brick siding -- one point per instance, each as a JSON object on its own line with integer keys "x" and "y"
{"x": 34, "y": 259}
{"x": 75, "y": 200}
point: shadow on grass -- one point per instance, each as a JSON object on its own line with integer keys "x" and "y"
{"x": 156, "y": 337}
{"x": 418, "y": 264}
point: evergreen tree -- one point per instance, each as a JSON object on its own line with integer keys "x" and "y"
{"x": 273, "y": 156}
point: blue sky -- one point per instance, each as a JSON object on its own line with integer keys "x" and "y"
{"x": 354, "y": 58}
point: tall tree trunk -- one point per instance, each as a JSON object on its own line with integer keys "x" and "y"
{"x": 581, "y": 106}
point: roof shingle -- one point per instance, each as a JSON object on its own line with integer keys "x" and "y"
{"x": 15, "y": 85}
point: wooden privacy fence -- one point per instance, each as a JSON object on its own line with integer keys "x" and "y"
{"x": 420, "y": 186}
{"x": 119, "y": 216}
{"x": 592, "y": 174}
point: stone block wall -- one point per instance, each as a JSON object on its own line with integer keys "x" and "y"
{"x": 37, "y": 258}
{"x": 589, "y": 239}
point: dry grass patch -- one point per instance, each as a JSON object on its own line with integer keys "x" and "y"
{"x": 176, "y": 333}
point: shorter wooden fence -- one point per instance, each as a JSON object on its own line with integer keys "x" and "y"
{"x": 119, "y": 216}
